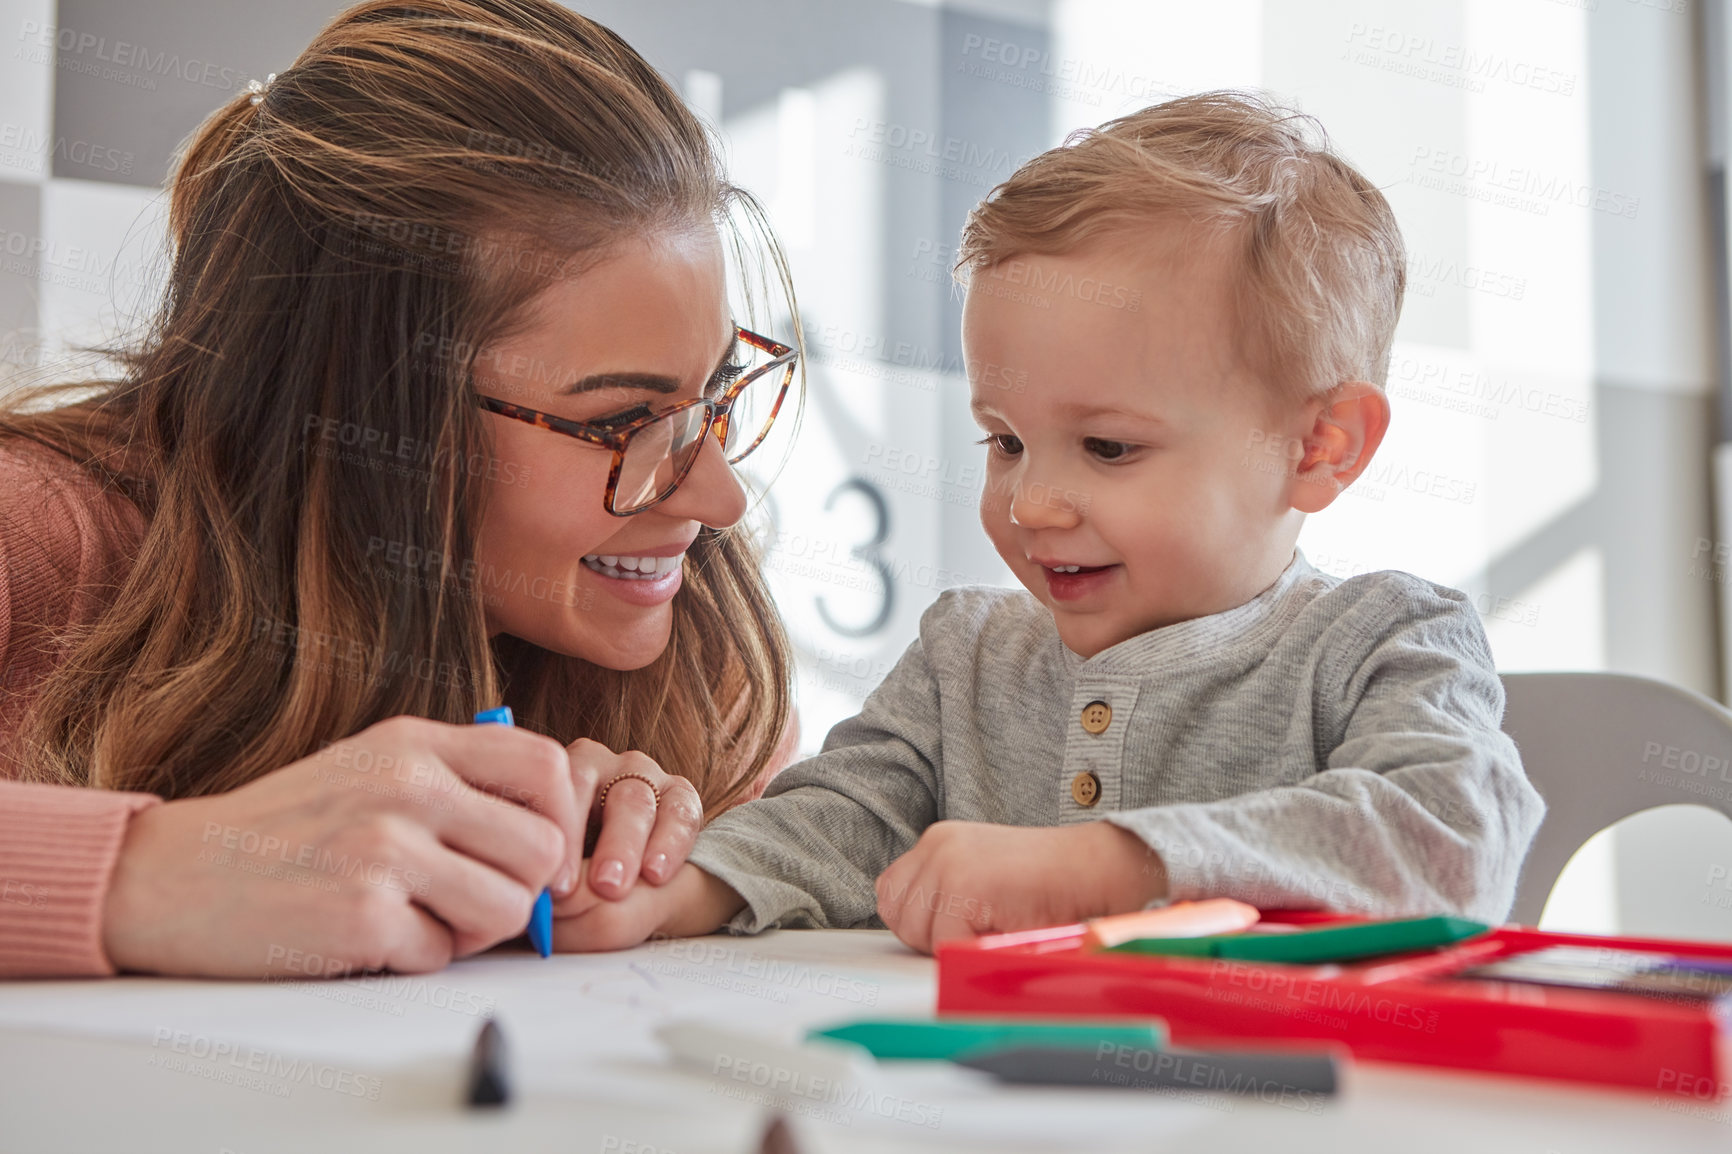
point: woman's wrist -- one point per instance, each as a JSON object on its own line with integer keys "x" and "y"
{"x": 126, "y": 917}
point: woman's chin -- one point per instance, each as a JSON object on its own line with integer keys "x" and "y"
{"x": 624, "y": 647}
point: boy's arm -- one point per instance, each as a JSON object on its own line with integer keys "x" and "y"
{"x": 1424, "y": 807}
{"x": 697, "y": 903}
{"x": 808, "y": 852}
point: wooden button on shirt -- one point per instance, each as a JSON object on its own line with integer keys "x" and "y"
{"x": 1085, "y": 788}
{"x": 1096, "y": 716}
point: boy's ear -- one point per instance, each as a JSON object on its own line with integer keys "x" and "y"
{"x": 1347, "y": 425}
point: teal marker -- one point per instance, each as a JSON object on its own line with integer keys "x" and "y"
{"x": 912, "y": 1038}
{"x": 541, "y": 916}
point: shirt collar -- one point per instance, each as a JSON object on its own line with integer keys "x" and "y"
{"x": 1187, "y": 640}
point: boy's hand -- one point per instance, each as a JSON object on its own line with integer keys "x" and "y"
{"x": 964, "y": 878}
{"x": 692, "y": 903}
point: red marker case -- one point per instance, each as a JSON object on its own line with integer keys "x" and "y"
{"x": 1401, "y": 1009}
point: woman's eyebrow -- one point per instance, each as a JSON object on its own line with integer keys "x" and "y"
{"x": 650, "y": 382}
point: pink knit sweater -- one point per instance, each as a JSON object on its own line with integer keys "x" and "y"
{"x": 64, "y": 545}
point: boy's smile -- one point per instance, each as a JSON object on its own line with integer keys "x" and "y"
{"x": 1069, "y": 582}
{"x": 1127, "y": 483}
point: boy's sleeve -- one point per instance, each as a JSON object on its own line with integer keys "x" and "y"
{"x": 808, "y": 852}
{"x": 1424, "y": 807}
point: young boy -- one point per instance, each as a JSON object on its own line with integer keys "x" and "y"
{"x": 1177, "y": 328}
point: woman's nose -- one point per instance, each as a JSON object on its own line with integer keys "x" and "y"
{"x": 712, "y": 493}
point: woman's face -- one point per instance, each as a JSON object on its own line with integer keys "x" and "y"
{"x": 641, "y": 330}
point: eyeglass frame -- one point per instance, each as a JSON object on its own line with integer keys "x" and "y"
{"x": 618, "y": 437}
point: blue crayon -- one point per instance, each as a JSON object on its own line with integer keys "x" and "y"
{"x": 541, "y": 916}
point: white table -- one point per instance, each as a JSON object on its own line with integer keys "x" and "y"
{"x": 141, "y": 1065}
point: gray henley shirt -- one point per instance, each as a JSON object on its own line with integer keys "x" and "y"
{"x": 1329, "y": 743}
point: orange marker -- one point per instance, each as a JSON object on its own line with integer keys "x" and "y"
{"x": 1179, "y": 920}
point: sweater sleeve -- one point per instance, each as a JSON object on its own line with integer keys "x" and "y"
{"x": 807, "y": 853}
{"x": 1423, "y": 807}
{"x": 60, "y": 539}
{"x": 58, "y": 845}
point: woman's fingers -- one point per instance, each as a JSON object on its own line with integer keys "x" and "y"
{"x": 523, "y": 768}
{"x": 480, "y": 905}
{"x": 420, "y": 943}
{"x": 648, "y": 824}
{"x": 589, "y": 763}
{"x": 499, "y": 795}
{"x": 627, "y": 818}
{"x": 678, "y": 819}
{"x": 580, "y": 900}
{"x": 525, "y": 847}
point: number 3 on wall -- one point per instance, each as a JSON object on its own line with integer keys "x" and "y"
{"x": 869, "y": 551}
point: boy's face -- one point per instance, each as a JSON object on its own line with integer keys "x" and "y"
{"x": 1125, "y": 438}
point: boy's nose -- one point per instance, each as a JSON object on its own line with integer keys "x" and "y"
{"x": 1038, "y": 505}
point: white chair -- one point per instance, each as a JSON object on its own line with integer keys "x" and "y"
{"x": 1602, "y": 746}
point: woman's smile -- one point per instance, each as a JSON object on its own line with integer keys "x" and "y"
{"x": 643, "y": 587}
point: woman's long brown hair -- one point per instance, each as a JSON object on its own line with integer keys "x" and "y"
{"x": 342, "y": 248}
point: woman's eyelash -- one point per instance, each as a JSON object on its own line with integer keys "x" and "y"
{"x": 725, "y": 376}
{"x": 624, "y": 416}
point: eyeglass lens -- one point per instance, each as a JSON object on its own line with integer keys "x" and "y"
{"x": 657, "y": 458}
{"x": 660, "y": 454}
{"x": 754, "y": 410}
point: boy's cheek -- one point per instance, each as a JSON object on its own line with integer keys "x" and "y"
{"x": 1002, "y": 534}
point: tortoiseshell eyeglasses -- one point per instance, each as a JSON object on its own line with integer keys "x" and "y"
{"x": 653, "y": 454}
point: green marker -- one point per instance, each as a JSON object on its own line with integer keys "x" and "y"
{"x": 1312, "y": 947}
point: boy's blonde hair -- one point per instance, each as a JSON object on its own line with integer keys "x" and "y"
{"x": 1322, "y": 264}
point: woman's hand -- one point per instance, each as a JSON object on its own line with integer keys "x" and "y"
{"x": 638, "y": 835}
{"x": 399, "y": 848}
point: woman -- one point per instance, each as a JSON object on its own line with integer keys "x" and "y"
{"x": 423, "y": 426}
